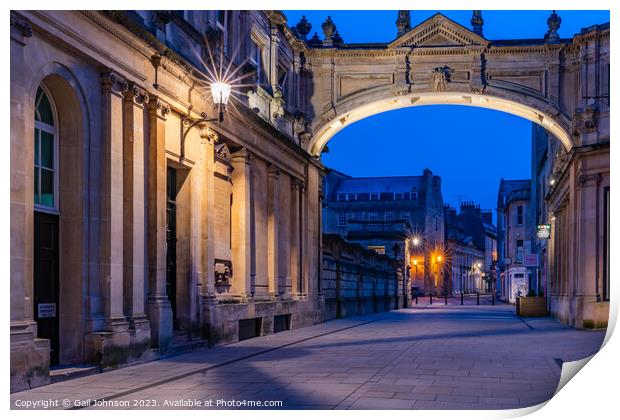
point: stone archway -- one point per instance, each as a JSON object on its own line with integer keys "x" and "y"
{"x": 328, "y": 130}
{"x": 561, "y": 84}
{"x": 71, "y": 210}
{"x": 442, "y": 62}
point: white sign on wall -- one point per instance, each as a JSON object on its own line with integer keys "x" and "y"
{"x": 46, "y": 310}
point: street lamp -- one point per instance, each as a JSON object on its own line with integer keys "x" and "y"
{"x": 220, "y": 91}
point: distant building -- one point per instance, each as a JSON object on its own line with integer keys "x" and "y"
{"x": 513, "y": 201}
{"x": 398, "y": 216}
{"x": 471, "y": 243}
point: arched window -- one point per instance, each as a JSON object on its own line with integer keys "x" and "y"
{"x": 45, "y": 151}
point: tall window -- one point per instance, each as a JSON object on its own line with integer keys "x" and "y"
{"x": 519, "y": 215}
{"x": 45, "y": 155}
{"x": 342, "y": 220}
{"x": 224, "y": 18}
{"x": 519, "y": 256}
{"x": 256, "y": 59}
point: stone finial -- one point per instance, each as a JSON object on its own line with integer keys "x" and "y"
{"x": 553, "y": 23}
{"x": 477, "y": 22}
{"x": 315, "y": 41}
{"x": 337, "y": 39}
{"x": 303, "y": 28}
{"x": 328, "y": 31}
{"x": 403, "y": 23}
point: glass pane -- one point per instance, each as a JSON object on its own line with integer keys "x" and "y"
{"x": 47, "y": 188}
{"x": 44, "y": 108}
{"x": 36, "y": 146}
{"x": 47, "y": 150}
{"x": 36, "y": 186}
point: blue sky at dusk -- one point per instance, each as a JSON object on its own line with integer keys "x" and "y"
{"x": 470, "y": 148}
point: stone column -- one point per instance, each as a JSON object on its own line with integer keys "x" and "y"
{"x": 134, "y": 251}
{"x": 241, "y": 223}
{"x": 295, "y": 242}
{"x": 113, "y": 87}
{"x": 209, "y": 138}
{"x": 273, "y": 215}
{"x": 283, "y": 201}
{"x": 587, "y": 220}
{"x": 30, "y": 356}
{"x": 159, "y": 309}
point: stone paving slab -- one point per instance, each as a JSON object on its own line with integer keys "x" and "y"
{"x": 470, "y": 357}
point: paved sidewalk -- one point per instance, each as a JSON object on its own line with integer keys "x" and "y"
{"x": 469, "y": 357}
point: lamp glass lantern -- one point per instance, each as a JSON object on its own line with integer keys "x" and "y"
{"x": 220, "y": 91}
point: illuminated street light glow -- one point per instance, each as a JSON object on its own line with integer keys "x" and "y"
{"x": 220, "y": 92}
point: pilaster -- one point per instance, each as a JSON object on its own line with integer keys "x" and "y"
{"x": 113, "y": 89}
{"x": 158, "y": 304}
{"x": 295, "y": 236}
{"x": 273, "y": 215}
{"x": 241, "y": 223}
{"x": 134, "y": 251}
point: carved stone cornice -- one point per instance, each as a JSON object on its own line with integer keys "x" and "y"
{"x": 21, "y": 24}
{"x": 273, "y": 171}
{"x": 136, "y": 95}
{"x": 297, "y": 184}
{"x": 584, "y": 119}
{"x": 113, "y": 83}
{"x": 208, "y": 135}
{"x": 589, "y": 180}
{"x": 242, "y": 156}
{"x": 159, "y": 107}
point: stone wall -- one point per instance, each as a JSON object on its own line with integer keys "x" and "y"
{"x": 356, "y": 281}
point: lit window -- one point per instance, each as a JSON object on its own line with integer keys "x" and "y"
{"x": 44, "y": 151}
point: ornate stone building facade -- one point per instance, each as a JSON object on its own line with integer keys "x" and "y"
{"x": 471, "y": 245}
{"x": 513, "y": 219}
{"x": 136, "y": 222}
{"x": 560, "y": 83}
{"x": 141, "y": 226}
{"x": 401, "y": 217}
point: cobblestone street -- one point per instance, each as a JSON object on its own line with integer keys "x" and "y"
{"x": 429, "y": 357}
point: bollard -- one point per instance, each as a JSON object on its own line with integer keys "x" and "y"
{"x": 416, "y": 299}
{"x": 431, "y": 298}
{"x": 461, "y": 298}
{"x": 446, "y": 299}
{"x": 477, "y": 298}
{"x": 493, "y": 296}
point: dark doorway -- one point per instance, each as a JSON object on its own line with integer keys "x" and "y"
{"x": 281, "y": 323}
{"x": 171, "y": 241}
{"x": 249, "y": 328}
{"x": 46, "y": 286}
